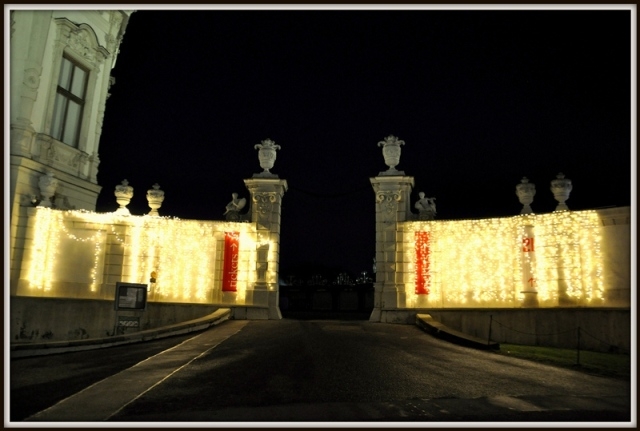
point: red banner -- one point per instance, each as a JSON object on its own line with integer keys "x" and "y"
{"x": 230, "y": 266}
{"x": 528, "y": 244}
{"x": 423, "y": 274}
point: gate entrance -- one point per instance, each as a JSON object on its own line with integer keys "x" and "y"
{"x": 336, "y": 301}
{"x": 326, "y": 261}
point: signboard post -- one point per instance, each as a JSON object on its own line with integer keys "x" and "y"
{"x": 131, "y": 299}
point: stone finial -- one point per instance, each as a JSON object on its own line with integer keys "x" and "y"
{"x": 561, "y": 188}
{"x": 391, "y": 151}
{"x": 155, "y": 197}
{"x": 267, "y": 156}
{"x": 47, "y": 185}
{"x": 525, "y": 192}
{"x": 123, "y": 193}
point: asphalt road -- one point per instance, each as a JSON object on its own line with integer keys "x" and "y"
{"x": 308, "y": 371}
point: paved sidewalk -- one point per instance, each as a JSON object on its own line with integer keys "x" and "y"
{"x": 104, "y": 399}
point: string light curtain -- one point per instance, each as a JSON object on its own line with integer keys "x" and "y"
{"x": 71, "y": 251}
{"x": 479, "y": 263}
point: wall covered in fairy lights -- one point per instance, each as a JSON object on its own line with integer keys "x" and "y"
{"x": 82, "y": 254}
{"x": 545, "y": 260}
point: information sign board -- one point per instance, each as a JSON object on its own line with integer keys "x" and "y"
{"x": 131, "y": 296}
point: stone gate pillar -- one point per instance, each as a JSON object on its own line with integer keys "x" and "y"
{"x": 392, "y": 194}
{"x": 266, "y": 202}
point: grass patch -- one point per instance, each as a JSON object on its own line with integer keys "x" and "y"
{"x": 617, "y": 365}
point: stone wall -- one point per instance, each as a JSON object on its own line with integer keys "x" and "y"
{"x": 601, "y": 329}
{"x": 570, "y": 258}
{"x": 67, "y": 265}
{"x": 82, "y": 255}
{"x": 574, "y": 258}
{"x": 58, "y": 319}
{"x": 616, "y": 254}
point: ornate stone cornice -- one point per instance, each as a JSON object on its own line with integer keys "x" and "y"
{"x": 82, "y": 41}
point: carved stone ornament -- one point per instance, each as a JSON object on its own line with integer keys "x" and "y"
{"x": 116, "y": 17}
{"x": 32, "y": 78}
{"x": 82, "y": 40}
{"x": 232, "y": 210}
{"x": 267, "y": 156}
{"x": 75, "y": 160}
{"x": 391, "y": 151}
{"x": 62, "y": 202}
{"x": 155, "y": 196}
{"x": 264, "y": 201}
{"x": 79, "y": 41}
{"x": 94, "y": 162}
{"x": 525, "y": 192}
{"x": 389, "y": 200}
{"x": 47, "y": 185}
{"x": 123, "y": 193}
{"x": 111, "y": 41}
{"x": 426, "y": 207}
{"x": 51, "y": 153}
{"x": 561, "y": 188}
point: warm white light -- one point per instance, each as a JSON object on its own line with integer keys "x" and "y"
{"x": 472, "y": 263}
{"x": 182, "y": 253}
{"x": 479, "y": 263}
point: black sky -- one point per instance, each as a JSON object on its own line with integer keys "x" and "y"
{"x": 481, "y": 98}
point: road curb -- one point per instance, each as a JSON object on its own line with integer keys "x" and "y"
{"x": 50, "y": 348}
{"x": 439, "y": 330}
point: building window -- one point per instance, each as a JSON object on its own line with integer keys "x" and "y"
{"x": 70, "y": 99}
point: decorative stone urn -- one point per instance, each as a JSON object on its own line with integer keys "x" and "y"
{"x": 48, "y": 185}
{"x": 124, "y": 193}
{"x": 391, "y": 151}
{"x": 526, "y": 191}
{"x": 155, "y": 196}
{"x": 561, "y": 188}
{"x": 267, "y": 156}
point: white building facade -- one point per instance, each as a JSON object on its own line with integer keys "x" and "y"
{"x": 60, "y": 74}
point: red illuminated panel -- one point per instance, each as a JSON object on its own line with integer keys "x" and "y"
{"x": 423, "y": 274}
{"x": 230, "y": 268}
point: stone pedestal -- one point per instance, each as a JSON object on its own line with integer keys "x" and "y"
{"x": 266, "y": 203}
{"x": 392, "y": 197}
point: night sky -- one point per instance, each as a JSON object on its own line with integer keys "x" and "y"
{"x": 480, "y": 97}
